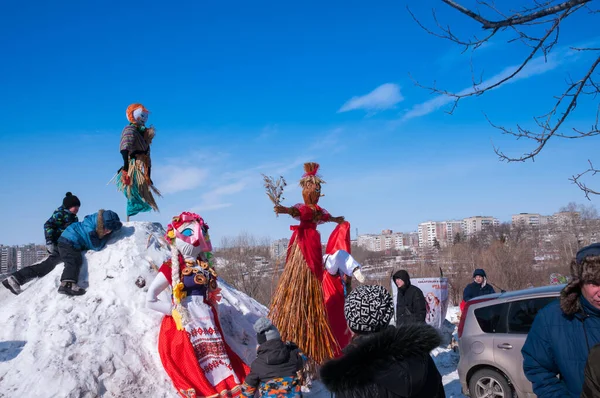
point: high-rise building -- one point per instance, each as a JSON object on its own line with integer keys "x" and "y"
{"x": 8, "y": 259}
{"x": 526, "y": 219}
{"x": 453, "y": 227}
{"x": 472, "y": 225}
{"x": 432, "y": 231}
{"x": 28, "y": 255}
{"x": 279, "y": 247}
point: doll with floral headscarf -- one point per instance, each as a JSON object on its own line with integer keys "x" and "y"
{"x": 191, "y": 343}
{"x": 133, "y": 178}
{"x": 298, "y": 307}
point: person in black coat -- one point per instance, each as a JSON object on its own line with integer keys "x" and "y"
{"x": 274, "y": 372}
{"x": 478, "y": 287}
{"x": 383, "y": 361}
{"x": 410, "y": 301}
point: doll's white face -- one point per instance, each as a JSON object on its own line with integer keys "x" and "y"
{"x": 189, "y": 239}
{"x": 140, "y": 116}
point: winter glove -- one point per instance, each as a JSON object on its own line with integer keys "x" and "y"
{"x": 50, "y": 248}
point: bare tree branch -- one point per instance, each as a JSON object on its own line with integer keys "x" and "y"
{"x": 516, "y": 20}
{"x": 447, "y": 33}
{"x": 478, "y": 90}
{"x": 549, "y": 130}
{"x": 525, "y": 23}
{"x": 577, "y": 181}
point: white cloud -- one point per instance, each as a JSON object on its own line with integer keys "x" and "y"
{"x": 383, "y": 97}
{"x": 213, "y": 200}
{"x": 174, "y": 179}
{"x": 536, "y": 66}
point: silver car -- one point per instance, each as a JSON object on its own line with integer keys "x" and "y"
{"x": 491, "y": 332}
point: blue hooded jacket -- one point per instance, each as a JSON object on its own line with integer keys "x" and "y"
{"x": 88, "y": 234}
{"x": 559, "y": 344}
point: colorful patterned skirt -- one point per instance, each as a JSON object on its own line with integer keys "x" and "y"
{"x": 139, "y": 192}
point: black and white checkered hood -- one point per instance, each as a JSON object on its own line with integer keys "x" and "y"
{"x": 368, "y": 308}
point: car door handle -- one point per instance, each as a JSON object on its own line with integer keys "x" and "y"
{"x": 505, "y": 346}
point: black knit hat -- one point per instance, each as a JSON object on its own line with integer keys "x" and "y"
{"x": 369, "y": 308}
{"x": 71, "y": 200}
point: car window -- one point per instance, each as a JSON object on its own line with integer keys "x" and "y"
{"x": 522, "y": 313}
{"x": 489, "y": 318}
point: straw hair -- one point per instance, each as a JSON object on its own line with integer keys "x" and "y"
{"x": 298, "y": 310}
{"x": 131, "y": 108}
{"x": 310, "y": 174}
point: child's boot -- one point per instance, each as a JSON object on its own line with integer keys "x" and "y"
{"x": 12, "y": 284}
{"x": 70, "y": 289}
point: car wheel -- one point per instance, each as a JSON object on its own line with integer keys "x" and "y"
{"x": 488, "y": 383}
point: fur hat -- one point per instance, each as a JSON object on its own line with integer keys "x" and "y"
{"x": 265, "y": 331}
{"x": 369, "y": 308}
{"x": 70, "y": 200}
{"x": 585, "y": 268}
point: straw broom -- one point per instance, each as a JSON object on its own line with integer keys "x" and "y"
{"x": 274, "y": 189}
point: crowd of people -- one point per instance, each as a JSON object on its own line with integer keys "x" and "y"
{"x": 363, "y": 342}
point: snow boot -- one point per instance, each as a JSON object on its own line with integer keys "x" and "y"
{"x": 12, "y": 284}
{"x": 70, "y": 289}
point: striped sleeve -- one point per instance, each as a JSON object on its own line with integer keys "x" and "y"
{"x": 127, "y": 139}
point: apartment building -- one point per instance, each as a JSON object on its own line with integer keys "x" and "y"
{"x": 472, "y": 225}
{"x": 29, "y": 254}
{"x": 8, "y": 259}
{"x": 279, "y": 247}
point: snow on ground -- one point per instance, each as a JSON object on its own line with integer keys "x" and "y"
{"x": 445, "y": 358}
{"x": 104, "y": 344}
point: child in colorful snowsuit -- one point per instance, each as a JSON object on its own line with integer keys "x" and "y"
{"x": 62, "y": 217}
{"x": 274, "y": 372}
{"x": 90, "y": 234}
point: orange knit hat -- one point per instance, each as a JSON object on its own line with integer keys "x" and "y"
{"x": 131, "y": 108}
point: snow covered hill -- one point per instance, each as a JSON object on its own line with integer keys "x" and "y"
{"x": 105, "y": 342}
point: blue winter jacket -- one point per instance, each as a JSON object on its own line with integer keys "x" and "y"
{"x": 559, "y": 344}
{"x": 474, "y": 289}
{"x": 84, "y": 235}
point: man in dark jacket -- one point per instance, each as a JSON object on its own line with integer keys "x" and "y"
{"x": 410, "y": 301}
{"x": 591, "y": 386}
{"x": 478, "y": 287}
{"x": 274, "y": 372}
{"x": 564, "y": 331}
{"x": 383, "y": 361}
{"x": 62, "y": 217}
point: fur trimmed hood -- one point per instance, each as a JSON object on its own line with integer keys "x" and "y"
{"x": 585, "y": 270}
{"x": 370, "y": 356}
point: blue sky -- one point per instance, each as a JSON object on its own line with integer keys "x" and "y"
{"x": 237, "y": 89}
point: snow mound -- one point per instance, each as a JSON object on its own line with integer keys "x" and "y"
{"x": 103, "y": 344}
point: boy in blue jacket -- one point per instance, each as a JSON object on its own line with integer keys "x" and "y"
{"x": 62, "y": 217}
{"x": 90, "y": 234}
